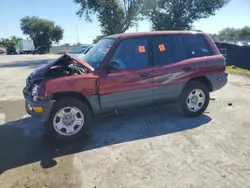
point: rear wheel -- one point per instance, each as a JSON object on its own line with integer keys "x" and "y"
{"x": 70, "y": 119}
{"x": 194, "y": 99}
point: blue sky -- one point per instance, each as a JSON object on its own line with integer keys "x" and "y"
{"x": 63, "y": 12}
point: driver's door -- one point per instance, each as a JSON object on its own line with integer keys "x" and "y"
{"x": 130, "y": 85}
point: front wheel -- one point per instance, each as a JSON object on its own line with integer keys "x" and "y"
{"x": 194, "y": 99}
{"x": 70, "y": 119}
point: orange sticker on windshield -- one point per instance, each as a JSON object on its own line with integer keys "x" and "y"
{"x": 161, "y": 47}
{"x": 142, "y": 49}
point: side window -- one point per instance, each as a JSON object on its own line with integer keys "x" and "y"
{"x": 197, "y": 46}
{"x": 165, "y": 52}
{"x": 132, "y": 54}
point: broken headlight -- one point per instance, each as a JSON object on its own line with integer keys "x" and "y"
{"x": 35, "y": 92}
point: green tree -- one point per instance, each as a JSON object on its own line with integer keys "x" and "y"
{"x": 232, "y": 34}
{"x": 228, "y": 34}
{"x": 99, "y": 37}
{"x": 42, "y": 31}
{"x": 115, "y": 16}
{"x": 11, "y": 40}
{"x": 179, "y": 14}
{"x": 245, "y": 31}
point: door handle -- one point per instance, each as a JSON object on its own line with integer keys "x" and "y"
{"x": 144, "y": 75}
{"x": 187, "y": 68}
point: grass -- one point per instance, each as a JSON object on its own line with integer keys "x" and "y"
{"x": 53, "y": 53}
{"x": 236, "y": 70}
{"x": 56, "y": 53}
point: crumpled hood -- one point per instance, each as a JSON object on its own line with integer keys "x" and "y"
{"x": 79, "y": 56}
{"x": 43, "y": 69}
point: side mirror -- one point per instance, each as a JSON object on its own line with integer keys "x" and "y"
{"x": 113, "y": 65}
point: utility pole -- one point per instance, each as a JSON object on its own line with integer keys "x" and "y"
{"x": 137, "y": 26}
{"x": 77, "y": 37}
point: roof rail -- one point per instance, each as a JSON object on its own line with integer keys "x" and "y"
{"x": 197, "y": 30}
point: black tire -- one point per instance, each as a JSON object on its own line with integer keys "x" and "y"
{"x": 182, "y": 104}
{"x": 72, "y": 102}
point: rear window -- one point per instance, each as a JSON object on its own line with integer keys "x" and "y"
{"x": 197, "y": 46}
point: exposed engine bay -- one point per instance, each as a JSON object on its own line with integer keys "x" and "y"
{"x": 67, "y": 68}
{"x": 62, "y": 67}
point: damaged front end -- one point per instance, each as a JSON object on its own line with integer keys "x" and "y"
{"x": 63, "y": 66}
{"x": 37, "y": 101}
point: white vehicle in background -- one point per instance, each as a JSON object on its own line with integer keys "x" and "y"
{"x": 25, "y": 46}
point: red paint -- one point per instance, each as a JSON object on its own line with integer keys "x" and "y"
{"x": 172, "y": 69}
{"x": 99, "y": 82}
{"x": 85, "y": 84}
{"x": 124, "y": 80}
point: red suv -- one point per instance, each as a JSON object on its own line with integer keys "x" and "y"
{"x": 125, "y": 71}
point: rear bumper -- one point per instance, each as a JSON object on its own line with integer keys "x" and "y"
{"x": 46, "y": 106}
{"x": 218, "y": 80}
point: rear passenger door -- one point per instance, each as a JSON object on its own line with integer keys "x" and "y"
{"x": 200, "y": 51}
{"x": 171, "y": 68}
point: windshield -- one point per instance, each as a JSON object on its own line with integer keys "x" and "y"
{"x": 79, "y": 49}
{"x": 96, "y": 55}
{"x": 86, "y": 51}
